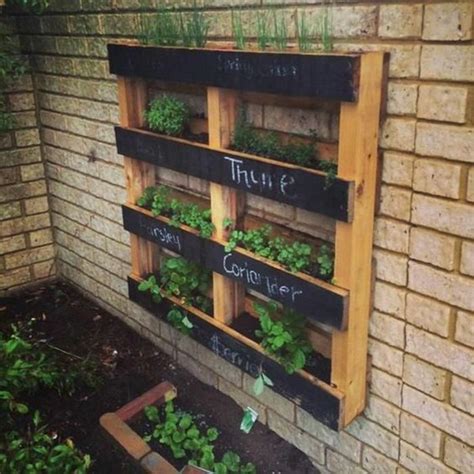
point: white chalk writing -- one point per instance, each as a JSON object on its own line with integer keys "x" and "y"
{"x": 161, "y": 233}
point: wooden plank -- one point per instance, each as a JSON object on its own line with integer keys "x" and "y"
{"x": 318, "y": 398}
{"x": 226, "y": 202}
{"x": 329, "y": 76}
{"x": 139, "y": 175}
{"x": 318, "y": 300}
{"x": 358, "y": 156}
{"x": 283, "y": 182}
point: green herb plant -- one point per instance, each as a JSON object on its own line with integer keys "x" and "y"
{"x": 38, "y": 452}
{"x": 304, "y": 32}
{"x": 325, "y": 261}
{"x": 179, "y": 432}
{"x": 325, "y": 30}
{"x": 184, "y": 280}
{"x": 179, "y": 320}
{"x": 261, "y": 382}
{"x": 159, "y": 201}
{"x": 263, "y": 31}
{"x": 168, "y": 115}
{"x": 238, "y": 29}
{"x": 249, "y": 140}
{"x": 280, "y": 30}
{"x": 284, "y": 338}
{"x": 170, "y": 28}
{"x": 295, "y": 256}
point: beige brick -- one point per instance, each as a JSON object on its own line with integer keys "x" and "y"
{"x": 389, "y": 299}
{"x": 424, "y": 377}
{"x": 32, "y": 172}
{"x": 10, "y": 210}
{"x": 24, "y": 224}
{"x": 443, "y": 103}
{"x": 400, "y": 21}
{"x": 395, "y": 202}
{"x": 374, "y": 435}
{"x": 387, "y": 329}
{"x": 402, "y": 98}
{"x": 432, "y": 247}
{"x": 36, "y": 205}
{"x": 12, "y": 244}
{"x": 41, "y": 237}
{"x": 440, "y": 352}
{"x": 428, "y": 314}
{"x": 391, "y": 267}
{"x": 439, "y": 414}
{"x": 450, "y": 21}
{"x": 21, "y": 102}
{"x": 199, "y": 371}
{"x": 29, "y": 256}
{"x": 383, "y": 413}
{"x": 20, "y": 157}
{"x": 341, "y": 465}
{"x": 399, "y": 134}
{"x": 438, "y": 178}
{"x": 44, "y": 269}
{"x": 27, "y": 137}
{"x": 386, "y": 357}
{"x": 446, "y": 216}
{"x": 339, "y": 441}
{"x": 421, "y": 434}
{"x": 470, "y": 185}
{"x": 445, "y": 141}
{"x": 282, "y": 406}
{"x": 467, "y": 258}
{"x": 453, "y": 289}
{"x": 13, "y": 278}
{"x": 8, "y": 176}
{"x": 296, "y": 436}
{"x": 462, "y": 395}
{"x": 448, "y": 62}
{"x": 418, "y": 461}
{"x": 465, "y": 328}
{"x": 386, "y": 386}
{"x": 391, "y": 235}
{"x": 23, "y": 190}
{"x": 373, "y": 461}
{"x": 458, "y": 455}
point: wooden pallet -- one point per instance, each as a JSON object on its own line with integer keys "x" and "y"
{"x": 343, "y": 308}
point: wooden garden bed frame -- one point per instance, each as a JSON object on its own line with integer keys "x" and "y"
{"x": 356, "y": 82}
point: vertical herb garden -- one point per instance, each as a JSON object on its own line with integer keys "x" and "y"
{"x": 285, "y": 307}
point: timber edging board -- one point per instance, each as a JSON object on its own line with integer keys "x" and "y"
{"x": 294, "y": 74}
{"x": 288, "y": 184}
{"x": 323, "y": 405}
{"x": 317, "y": 303}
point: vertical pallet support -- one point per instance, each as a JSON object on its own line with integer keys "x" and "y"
{"x": 358, "y": 156}
{"x": 139, "y": 175}
{"x": 226, "y": 202}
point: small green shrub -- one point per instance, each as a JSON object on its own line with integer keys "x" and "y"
{"x": 168, "y": 115}
{"x": 37, "y": 452}
{"x": 183, "y": 279}
{"x": 186, "y": 440}
{"x": 158, "y": 200}
{"x": 284, "y": 338}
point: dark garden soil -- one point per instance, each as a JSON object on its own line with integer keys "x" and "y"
{"x": 129, "y": 365}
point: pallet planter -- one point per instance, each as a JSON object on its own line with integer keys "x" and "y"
{"x": 353, "y": 80}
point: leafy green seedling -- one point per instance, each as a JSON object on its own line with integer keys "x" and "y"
{"x": 260, "y": 382}
{"x": 180, "y": 321}
{"x": 167, "y": 115}
{"x": 238, "y": 29}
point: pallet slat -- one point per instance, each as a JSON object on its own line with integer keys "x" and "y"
{"x": 324, "y": 403}
{"x": 289, "y": 184}
{"x": 317, "y": 300}
{"x": 294, "y": 74}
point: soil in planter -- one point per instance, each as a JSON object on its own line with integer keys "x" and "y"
{"x": 129, "y": 366}
{"x": 316, "y": 364}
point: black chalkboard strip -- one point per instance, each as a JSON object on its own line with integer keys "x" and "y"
{"x": 317, "y": 300}
{"x": 290, "y": 184}
{"x": 319, "y": 399}
{"x": 328, "y": 76}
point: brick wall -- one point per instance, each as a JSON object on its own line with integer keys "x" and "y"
{"x": 419, "y": 414}
{"x": 26, "y": 237}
